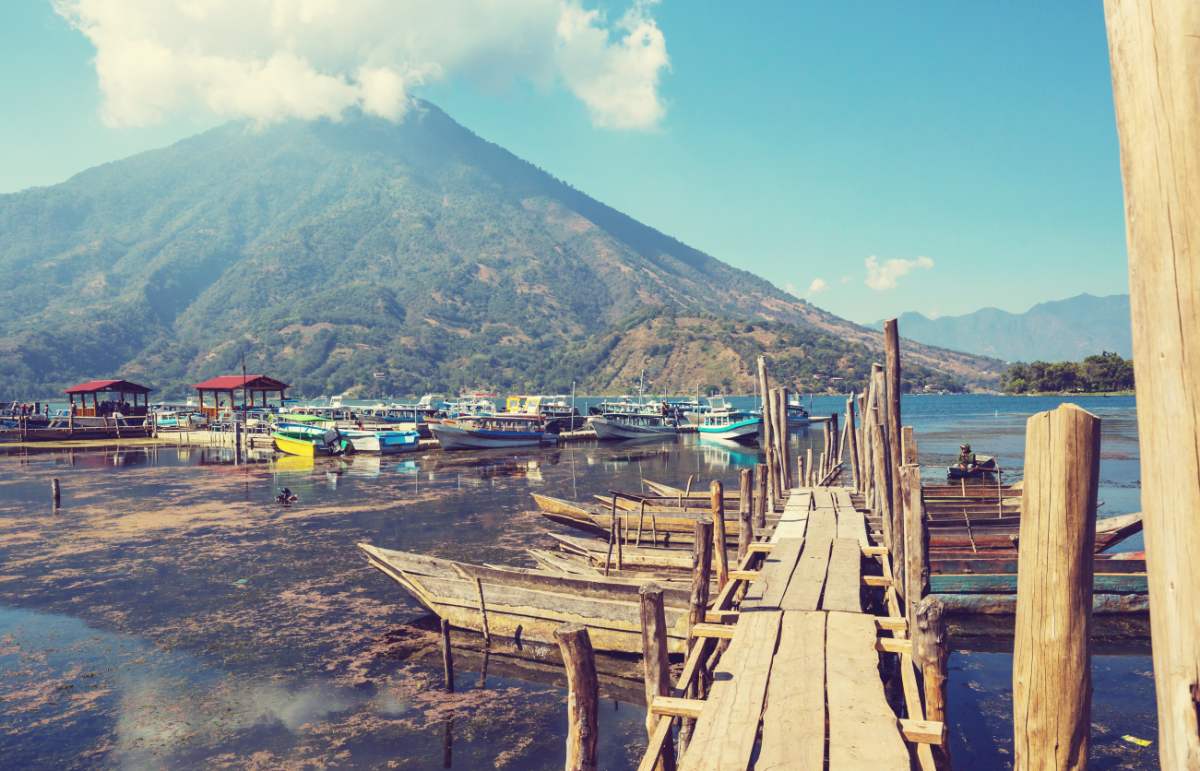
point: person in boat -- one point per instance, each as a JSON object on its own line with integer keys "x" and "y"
{"x": 286, "y": 496}
{"x": 966, "y": 458}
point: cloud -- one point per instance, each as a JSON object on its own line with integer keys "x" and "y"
{"x": 270, "y": 60}
{"x": 884, "y": 276}
{"x": 817, "y": 286}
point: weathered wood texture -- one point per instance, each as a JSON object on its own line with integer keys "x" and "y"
{"x": 916, "y": 541}
{"x": 582, "y": 697}
{"x": 863, "y": 732}
{"x": 1156, "y": 67}
{"x": 745, "y": 518}
{"x": 793, "y": 729}
{"x": 891, "y": 348}
{"x": 930, "y": 654}
{"x": 852, "y": 442}
{"x": 717, "y": 491}
{"x": 1052, "y": 689}
{"x": 760, "y": 496}
{"x": 656, "y": 665}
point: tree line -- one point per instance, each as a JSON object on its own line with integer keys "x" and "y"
{"x": 1104, "y": 372}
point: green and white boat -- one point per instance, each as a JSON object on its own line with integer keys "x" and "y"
{"x": 730, "y": 425}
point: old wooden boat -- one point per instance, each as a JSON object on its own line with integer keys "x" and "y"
{"x": 478, "y": 432}
{"x": 983, "y": 468}
{"x": 529, "y": 604}
{"x": 996, "y": 593}
{"x": 632, "y": 425}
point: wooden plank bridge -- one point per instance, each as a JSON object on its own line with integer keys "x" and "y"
{"x": 799, "y": 684}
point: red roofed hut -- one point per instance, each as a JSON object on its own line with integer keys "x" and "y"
{"x": 114, "y": 392}
{"x": 228, "y": 385}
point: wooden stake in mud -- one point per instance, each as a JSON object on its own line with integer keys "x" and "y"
{"x": 583, "y": 696}
{"x": 1155, "y": 57}
{"x": 852, "y": 441}
{"x": 447, "y": 658}
{"x": 745, "y": 520}
{"x": 717, "y": 491}
{"x": 760, "y": 496}
{"x": 1052, "y": 684}
{"x": 656, "y": 665}
{"x": 55, "y": 493}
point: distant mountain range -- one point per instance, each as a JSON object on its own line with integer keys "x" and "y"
{"x": 368, "y": 257}
{"x": 1062, "y": 330}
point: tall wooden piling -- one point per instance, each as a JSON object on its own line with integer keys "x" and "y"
{"x": 1052, "y": 688}
{"x": 808, "y": 468}
{"x": 880, "y": 466}
{"x": 908, "y": 446}
{"x": 760, "y": 496}
{"x": 702, "y": 542}
{"x": 891, "y": 349}
{"x": 1155, "y": 68}
{"x": 656, "y": 665}
{"x": 930, "y": 654}
{"x": 745, "y": 517}
{"x": 852, "y": 442}
{"x": 583, "y": 696}
{"x": 55, "y": 493}
{"x": 916, "y": 541}
{"x": 767, "y": 436}
{"x": 717, "y": 493}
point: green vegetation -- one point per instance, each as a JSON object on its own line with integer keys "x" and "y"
{"x": 1096, "y": 374}
{"x": 376, "y": 258}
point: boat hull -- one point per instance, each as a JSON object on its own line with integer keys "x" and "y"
{"x": 606, "y": 428}
{"x": 305, "y": 448}
{"x": 743, "y": 432}
{"x": 453, "y": 437}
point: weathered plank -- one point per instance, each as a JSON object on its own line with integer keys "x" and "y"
{"x": 852, "y": 524}
{"x": 843, "y": 584}
{"x": 863, "y": 730}
{"x": 808, "y": 580}
{"x": 793, "y": 728}
{"x": 727, "y": 729}
{"x": 768, "y": 590}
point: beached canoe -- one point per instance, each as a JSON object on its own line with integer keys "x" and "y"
{"x": 530, "y": 604}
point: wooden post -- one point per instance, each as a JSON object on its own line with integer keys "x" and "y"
{"x": 908, "y": 446}
{"x": 447, "y": 657}
{"x": 760, "y": 497}
{"x": 702, "y": 534}
{"x": 785, "y": 447}
{"x": 745, "y": 519}
{"x": 656, "y": 665}
{"x": 717, "y": 492}
{"x": 891, "y": 348}
{"x": 852, "y": 441}
{"x": 801, "y": 476}
{"x": 1052, "y": 687}
{"x": 583, "y": 696}
{"x": 808, "y": 468}
{"x": 1155, "y": 68}
{"x": 767, "y": 437}
{"x": 930, "y": 652}
{"x": 916, "y": 542}
{"x": 55, "y": 493}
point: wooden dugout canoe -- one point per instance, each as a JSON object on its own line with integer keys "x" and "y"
{"x": 529, "y": 604}
{"x": 993, "y": 593}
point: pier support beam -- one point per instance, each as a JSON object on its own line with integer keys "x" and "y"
{"x": 717, "y": 491}
{"x": 745, "y": 522}
{"x": 583, "y": 696}
{"x": 656, "y": 665}
{"x": 760, "y": 496}
{"x": 1052, "y": 684}
{"x": 1155, "y": 57}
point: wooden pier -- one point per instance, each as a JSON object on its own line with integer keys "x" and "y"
{"x": 800, "y": 682}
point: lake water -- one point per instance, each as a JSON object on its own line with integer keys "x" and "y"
{"x": 172, "y": 615}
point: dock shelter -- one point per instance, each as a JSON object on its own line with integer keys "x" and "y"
{"x": 222, "y": 393}
{"x": 108, "y": 398}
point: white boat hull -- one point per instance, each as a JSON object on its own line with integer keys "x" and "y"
{"x": 610, "y": 429}
{"x": 452, "y": 437}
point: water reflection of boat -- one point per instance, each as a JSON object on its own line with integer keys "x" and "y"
{"x": 293, "y": 464}
{"x": 724, "y": 454}
{"x": 530, "y": 604}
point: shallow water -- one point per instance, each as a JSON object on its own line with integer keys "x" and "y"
{"x": 171, "y": 614}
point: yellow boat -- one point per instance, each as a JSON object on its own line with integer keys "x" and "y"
{"x": 306, "y": 448}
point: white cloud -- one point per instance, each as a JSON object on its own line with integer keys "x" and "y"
{"x": 270, "y": 60}
{"x": 817, "y": 286}
{"x": 884, "y": 276}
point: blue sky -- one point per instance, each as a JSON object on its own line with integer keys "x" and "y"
{"x": 796, "y": 141}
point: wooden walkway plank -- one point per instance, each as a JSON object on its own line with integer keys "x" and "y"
{"x": 822, "y": 498}
{"x": 863, "y": 730}
{"x": 727, "y": 729}
{"x": 843, "y": 586}
{"x": 808, "y": 580}
{"x": 767, "y": 591}
{"x": 793, "y": 729}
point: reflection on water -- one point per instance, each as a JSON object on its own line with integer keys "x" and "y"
{"x": 172, "y": 614}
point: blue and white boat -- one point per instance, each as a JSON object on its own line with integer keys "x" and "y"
{"x": 382, "y": 442}
{"x": 478, "y": 432}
